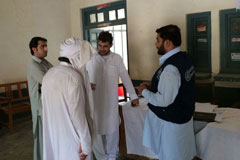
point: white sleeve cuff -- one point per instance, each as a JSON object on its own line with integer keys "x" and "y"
{"x": 145, "y": 93}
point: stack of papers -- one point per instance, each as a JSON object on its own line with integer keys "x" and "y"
{"x": 206, "y": 112}
{"x": 205, "y": 107}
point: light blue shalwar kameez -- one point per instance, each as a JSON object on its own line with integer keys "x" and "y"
{"x": 35, "y": 72}
{"x": 169, "y": 141}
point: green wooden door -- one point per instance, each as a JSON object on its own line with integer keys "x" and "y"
{"x": 230, "y": 41}
{"x": 199, "y": 40}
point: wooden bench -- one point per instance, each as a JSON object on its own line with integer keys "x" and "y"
{"x": 14, "y": 99}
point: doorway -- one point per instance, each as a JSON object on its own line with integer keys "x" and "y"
{"x": 108, "y": 17}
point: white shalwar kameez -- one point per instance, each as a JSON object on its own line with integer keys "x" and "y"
{"x": 169, "y": 141}
{"x": 65, "y": 124}
{"x": 104, "y": 71}
{"x": 105, "y": 74}
{"x": 67, "y": 115}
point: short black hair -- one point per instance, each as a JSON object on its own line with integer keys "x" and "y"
{"x": 105, "y": 36}
{"x": 170, "y": 32}
{"x": 34, "y": 43}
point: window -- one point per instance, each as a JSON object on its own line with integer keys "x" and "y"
{"x": 100, "y": 17}
{"x": 92, "y": 18}
{"x": 121, "y": 13}
{"x": 119, "y": 42}
{"x": 112, "y": 15}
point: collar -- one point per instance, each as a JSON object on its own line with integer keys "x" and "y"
{"x": 65, "y": 64}
{"x": 163, "y": 58}
{"x": 37, "y": 59}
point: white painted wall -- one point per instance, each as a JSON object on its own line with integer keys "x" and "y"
{"x": 144, "y": 17}
{"x": 20, "y": 20}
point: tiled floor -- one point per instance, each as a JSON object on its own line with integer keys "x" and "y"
{"x": 18, "y": 145}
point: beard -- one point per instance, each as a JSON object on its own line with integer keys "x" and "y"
{"x": 161, "y": 50}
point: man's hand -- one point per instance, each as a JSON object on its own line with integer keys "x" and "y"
{"x": 93, "y": 86}
{"x": 146, "y": 84}
{"x": 135, "y": 102}
{"x": 82, "y": 156}
{"x": 140, "y": 89}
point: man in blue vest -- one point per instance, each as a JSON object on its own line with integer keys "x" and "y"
{"x": 168, "y": 126}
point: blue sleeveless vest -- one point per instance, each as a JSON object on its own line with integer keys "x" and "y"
{"x": 181, "y": 110}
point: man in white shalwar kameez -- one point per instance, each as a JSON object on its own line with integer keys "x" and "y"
{"x": 68, "y": 105}
{"x": 104, "y": 70}
{"x": 168, "y": 126}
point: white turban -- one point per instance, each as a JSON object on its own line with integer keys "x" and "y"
{"x": 79, "y": 53}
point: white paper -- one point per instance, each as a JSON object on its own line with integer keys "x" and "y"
{"x": 205, "y": 107}
{"x": 218, "y": 117}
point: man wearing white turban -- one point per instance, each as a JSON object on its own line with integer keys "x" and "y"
{"x": 68, "y": 105}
